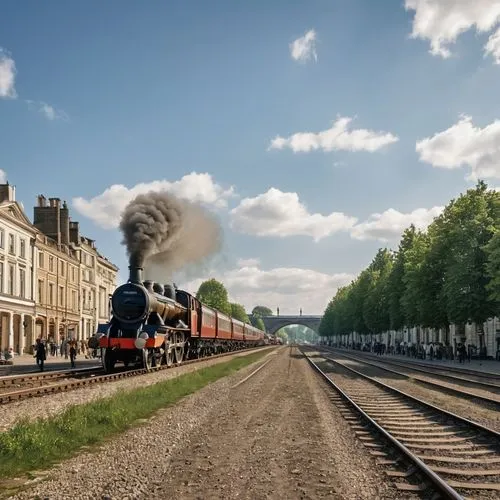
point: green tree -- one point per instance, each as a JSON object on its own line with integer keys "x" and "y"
{"x": 214, "y": 294}
{"x": 469, "y": 226}
{"x": 492, "y": 250}
{"x": 238, "y": 312}
{"x": 261, "y": 311}
{"x": 282, "y": 335}
{"x": 396, "y": 285}
{"x": 376, "y": 303}
{"x": 257, "y": 322}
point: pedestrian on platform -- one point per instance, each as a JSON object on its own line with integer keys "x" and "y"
{"x": 72, "y": 354}
{"x": 40, "y": 354}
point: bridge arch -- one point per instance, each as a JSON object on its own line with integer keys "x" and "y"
{"x": 274, "y": 323}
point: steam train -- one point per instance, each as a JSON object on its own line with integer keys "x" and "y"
{"x": 153, "y": 324}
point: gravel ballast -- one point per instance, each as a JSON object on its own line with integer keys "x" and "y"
{"x": 275, "y": 435}
{"x": 52, "y": 404}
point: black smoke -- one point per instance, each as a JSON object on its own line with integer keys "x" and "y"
{"x": 164, "y": 234}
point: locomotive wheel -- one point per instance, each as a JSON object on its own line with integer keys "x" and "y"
{"x": 108, "y": 361}
{"x": 179, "y": 351}
{"x": 169, "y": 357}
{"x": 147, "y": 359}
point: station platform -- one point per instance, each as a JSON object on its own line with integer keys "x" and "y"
{"x": 479, "y": 365}
{"x": 26, "y": 363}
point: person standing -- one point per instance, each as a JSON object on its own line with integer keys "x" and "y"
{"x": 72, "y": 354}
{"x": 41, "y": 354}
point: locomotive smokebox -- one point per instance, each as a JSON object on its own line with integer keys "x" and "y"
{"x": 135, "y": 275}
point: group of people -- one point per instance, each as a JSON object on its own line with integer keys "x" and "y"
{"x": 67, "y": 348}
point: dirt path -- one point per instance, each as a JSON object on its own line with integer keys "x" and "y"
{"x": 275, "y": 437}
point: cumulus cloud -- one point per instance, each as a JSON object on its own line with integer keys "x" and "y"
{"x": 463, "y": 144}
{"x": 7, "y": 75}
{"x": 304, "y": 48}
{"x": 50, "y": 112}
{"x": 443, "y": 21}
{"x": 336, "y": 138}
{"x": 3, "y": 176}
{"x": 287, "y": 288}
{"x": 492, "y": 47}
{"x": 247, "y": 262}
{"x": 280, "y": 214}
{"x": 105, "y": 209}
{"x": 391, "y": 223}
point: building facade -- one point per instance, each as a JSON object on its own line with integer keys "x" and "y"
{"x": 17, "y": 305}
{"x": 57, "y": 292}
{"x": 96, "y": 275}
{"x": 54, "y": 283}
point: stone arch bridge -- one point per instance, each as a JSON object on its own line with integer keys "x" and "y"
{"x": 274, "y": 323}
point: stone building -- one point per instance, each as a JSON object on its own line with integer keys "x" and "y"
{"x": 96, "y": 275}
{"x": 17, "y": 306}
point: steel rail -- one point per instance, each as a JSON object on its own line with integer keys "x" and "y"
{"x": 442, "y": 486}
{"x": 423, "y": 364}
{"x": 20, "y": 378}
{"x": 440, "y": 387}
{"x": 9, "y": 397}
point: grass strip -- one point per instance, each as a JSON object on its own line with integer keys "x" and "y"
{"x": 36, "y": 445}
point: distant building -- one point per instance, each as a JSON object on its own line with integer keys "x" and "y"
{"x": 96, "y": 275}
{"x": 17, "y": 305}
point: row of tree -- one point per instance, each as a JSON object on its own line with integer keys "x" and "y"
{"x": 214, "y": 294}
{"x": 448, "y": 274}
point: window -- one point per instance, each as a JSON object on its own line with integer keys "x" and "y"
{"x": 2, "y": 238}
{"x": 61, "y": 296}
{"x": 51, "y": 264}
{"x": 12, "y": 244}
{"x": 1, "y": 277}
{"x": 40, "y": 260}
{"x": 22, "y": 283}
{"x": 62, "y": 267}
{"x": 73, "y": 273}
{"x": 51, "y": 294}
{"x": 22, "y": 249}
{"x": 74, "y": 300}
{"x": 10, "y": 282}
{"x": 40, "y": 291}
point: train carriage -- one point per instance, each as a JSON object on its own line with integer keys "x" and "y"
{"x": 154, "y": 324}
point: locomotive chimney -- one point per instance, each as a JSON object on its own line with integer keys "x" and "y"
{"x": 135, "y": 274}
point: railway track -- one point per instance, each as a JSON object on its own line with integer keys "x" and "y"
{"x": 493, "y": 399}
{"x": 41, "y": 383}
{"x": 424, "y": 448}
{"x": 459, "y": 374}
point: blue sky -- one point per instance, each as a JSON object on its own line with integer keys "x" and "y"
{"x": 131, "y": 92}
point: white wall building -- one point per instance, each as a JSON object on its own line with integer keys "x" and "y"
{"x": 17, "y": 307}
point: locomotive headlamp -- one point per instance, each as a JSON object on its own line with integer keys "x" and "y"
{"x": 140, "y": 341}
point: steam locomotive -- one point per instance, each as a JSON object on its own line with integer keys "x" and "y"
{"x": 153, "y": 324}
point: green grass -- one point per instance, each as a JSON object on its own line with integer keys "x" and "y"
{"x": 30, "y": 446}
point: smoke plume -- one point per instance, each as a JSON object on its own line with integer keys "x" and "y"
{"x": 164, "y": 234}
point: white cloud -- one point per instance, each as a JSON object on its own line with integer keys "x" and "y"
{"x": 443, "y": 21}
{"x": 492, "y": 47}
{"x": 247, "y": 262}
{"x": 276, "y": 213}
{"x": 287, "y": 288}
{"x": 338, "y": 137}
{"x": 7, "y": 75}
{"x": 3, "y": 176}
{"x": 463, "y": 144}
{"x": 105, "y": 209}
{"x": 47, "y": 110}
{"x": 391, "y": 223}
{"x": 304, "y": 48}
